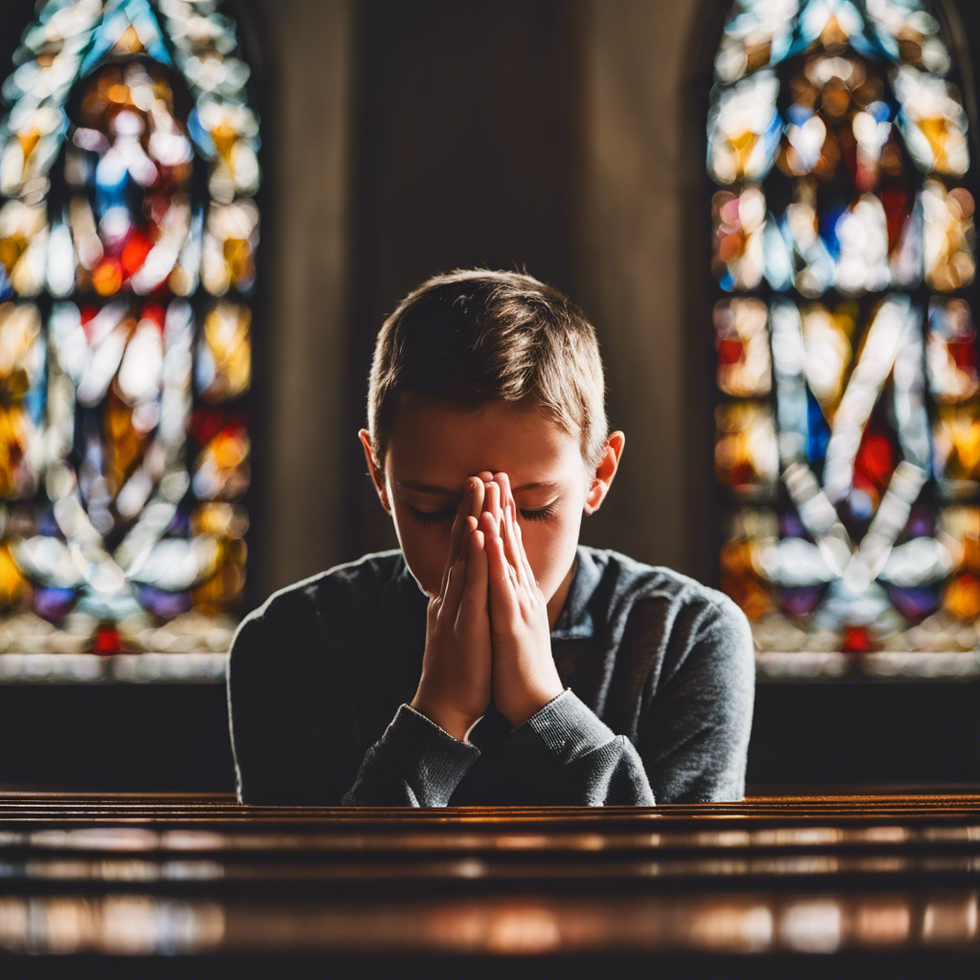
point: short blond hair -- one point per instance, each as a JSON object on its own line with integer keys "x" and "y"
{"x": 474, "y": 336}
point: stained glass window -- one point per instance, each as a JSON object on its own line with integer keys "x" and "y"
{"x": 848, "y": 420}
{"x": 128, "y": 227}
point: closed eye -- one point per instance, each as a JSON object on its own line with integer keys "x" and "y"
{"x": 432, "y": 516}
{"x": 538, "y": 515}
{"x": 429, "y": 517}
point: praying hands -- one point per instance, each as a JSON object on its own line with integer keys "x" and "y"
{"x": 524, "y": 675}
{"x": 487, "y": 632}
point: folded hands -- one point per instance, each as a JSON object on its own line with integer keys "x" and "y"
{"x": 487, "y": 631}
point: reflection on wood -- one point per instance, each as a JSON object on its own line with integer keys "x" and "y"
{"x": 142, "y": 924}
{"x": 145, "y": 875}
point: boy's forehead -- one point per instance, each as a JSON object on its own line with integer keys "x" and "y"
{"x": 437, "y": 440}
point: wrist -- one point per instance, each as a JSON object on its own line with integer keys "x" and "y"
{"x": 518, "y": 713}
{"x": 451, "y": 721}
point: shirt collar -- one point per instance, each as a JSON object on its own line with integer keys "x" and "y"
{"x": 575, "y": 619}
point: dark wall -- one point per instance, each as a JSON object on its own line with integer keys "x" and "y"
{"x": 467, "y": 153}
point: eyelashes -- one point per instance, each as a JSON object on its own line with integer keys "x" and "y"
{"x": 427, "y": 518}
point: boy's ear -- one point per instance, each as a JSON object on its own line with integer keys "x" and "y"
{"x": 377, "y": 475}
{"x": 605, "y": 471}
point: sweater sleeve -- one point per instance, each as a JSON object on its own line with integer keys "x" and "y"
{"x": 295, "y": 731}
{"x": 415, "y": 763}
{"x": 563, "y": 755}
{"x": 694, "y": 733}
{"x": 279, "y": 729}
{"x": 289, "y": 748}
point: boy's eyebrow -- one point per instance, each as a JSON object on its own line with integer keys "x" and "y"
{"x": 543, "y": 485}
{"x": 423, "y": 487}
{"x": 428, "y": 488}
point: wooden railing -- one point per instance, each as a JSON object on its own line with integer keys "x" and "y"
{"x": 206, "y": 880}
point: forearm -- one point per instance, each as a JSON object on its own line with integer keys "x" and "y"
{"x": 414, "y": 763}
{"x": 565, "y": 756}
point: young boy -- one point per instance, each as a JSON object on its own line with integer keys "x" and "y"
{"x": 492, "y": 659}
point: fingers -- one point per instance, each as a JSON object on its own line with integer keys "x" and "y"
{"x": 469, "y": 507}
{"x": 514, "y": 548}
{"x": 511, "y": 532}
{"x": 473, "y": 600}
{"x": 501, "y": 573}
{"x": 509, "y": 523}
{"x": 525, "y": 562}
{"x": 478, "y": 487}
{"x": 455, "y": 582}
{"x": 490, "y": 494}
{"x": 491, "y": 500}
{"x": 459, "y": 527}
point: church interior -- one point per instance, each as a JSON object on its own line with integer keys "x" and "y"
{"x": 208, "y": 208}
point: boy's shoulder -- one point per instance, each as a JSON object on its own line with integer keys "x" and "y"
{"x": 629, "y": 574}
{"x": 670, "y": 617}
{"x": 615, "y": 580}
{"x": 362, "y": 582}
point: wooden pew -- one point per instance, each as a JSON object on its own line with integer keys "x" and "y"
{"x": 135, "y": 884}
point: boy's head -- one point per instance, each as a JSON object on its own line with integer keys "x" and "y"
{"x": 480, "y": 372}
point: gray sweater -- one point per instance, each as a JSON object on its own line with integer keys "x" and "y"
{"x": 658, "y": 673}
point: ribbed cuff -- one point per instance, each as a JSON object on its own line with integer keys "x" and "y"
{"x": 433, "y": 761}
{"x": 558, "y": 733}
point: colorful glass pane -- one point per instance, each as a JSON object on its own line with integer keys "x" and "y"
{"x": 742, "y": 340}
{"x": 849, "y": 433}
{"x": 128, "y": 231}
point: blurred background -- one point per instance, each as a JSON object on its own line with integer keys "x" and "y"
{"x": 694, "y": 173}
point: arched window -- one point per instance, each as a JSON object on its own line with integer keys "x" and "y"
{"x": 849, "y": 418}
{"x": 127, "y": 234}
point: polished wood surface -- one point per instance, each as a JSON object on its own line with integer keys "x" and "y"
{"x": 203, "y": 878}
